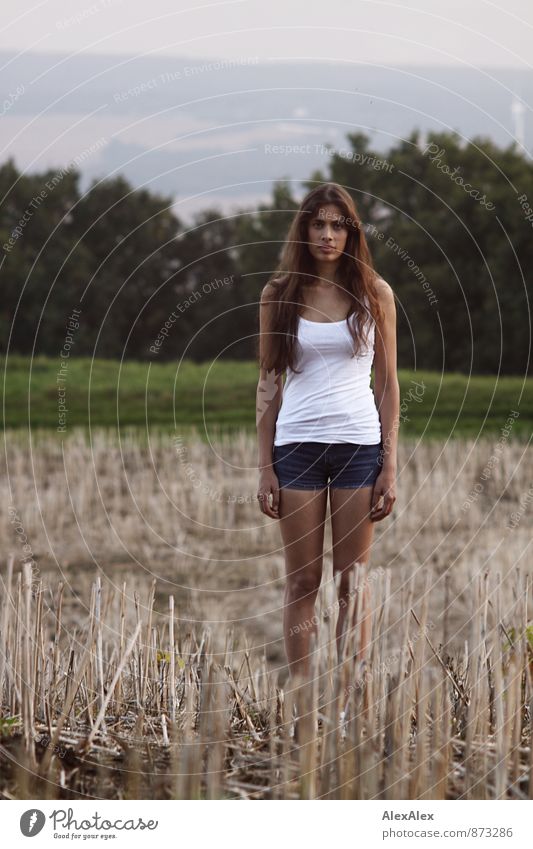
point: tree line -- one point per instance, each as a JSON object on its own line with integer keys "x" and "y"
{"x": 449, "y": 224}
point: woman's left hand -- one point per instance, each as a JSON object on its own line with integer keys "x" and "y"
{"x": 383, "y": 495}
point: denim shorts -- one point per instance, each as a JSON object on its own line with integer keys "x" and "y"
{"x": 314, "y": 465}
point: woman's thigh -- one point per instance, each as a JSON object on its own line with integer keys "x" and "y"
{"x": 302, "y": 520}
{"x": 352, "y": 530}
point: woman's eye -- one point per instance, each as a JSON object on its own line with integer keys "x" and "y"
{"x": 337, "y": 225}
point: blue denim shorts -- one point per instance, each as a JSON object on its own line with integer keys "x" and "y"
{"x": 314, "y": 465}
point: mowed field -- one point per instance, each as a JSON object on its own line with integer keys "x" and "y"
{"x": 156, "y": 537}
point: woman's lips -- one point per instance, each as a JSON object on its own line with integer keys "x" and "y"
{"x": 326, "y": 249}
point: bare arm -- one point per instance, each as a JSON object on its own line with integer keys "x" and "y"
{"x": 268, "y": 402}
{"x": 269, "y": 387}
{"x": 387, "y": 395}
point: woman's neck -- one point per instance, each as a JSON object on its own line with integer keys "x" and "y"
{"x": 326, "y": 274}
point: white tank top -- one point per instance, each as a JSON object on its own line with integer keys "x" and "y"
{"x": 331, "y": 400}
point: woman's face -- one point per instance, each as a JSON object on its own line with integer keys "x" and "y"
{"x": 327, "y": 234}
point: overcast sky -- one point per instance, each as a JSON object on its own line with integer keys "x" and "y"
{"x": 456, "y": 32}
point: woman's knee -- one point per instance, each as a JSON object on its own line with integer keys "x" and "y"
{"x": 303, "y": 584}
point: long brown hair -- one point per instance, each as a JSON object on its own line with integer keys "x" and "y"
{"x": 297, "y": 267}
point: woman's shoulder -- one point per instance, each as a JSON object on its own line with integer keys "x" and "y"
{"x": 271, "y": 288}
{"x": 384, "y": 290}
{"x": 385, "y": 295}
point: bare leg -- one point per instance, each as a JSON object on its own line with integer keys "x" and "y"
{"x": 302, "y": 517}
{"x": 352, "y": 534}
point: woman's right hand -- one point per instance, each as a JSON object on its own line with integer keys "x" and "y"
{"x": 268, "y": 494}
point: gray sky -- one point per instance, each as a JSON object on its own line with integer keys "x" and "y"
{"x": 458, "y": 32}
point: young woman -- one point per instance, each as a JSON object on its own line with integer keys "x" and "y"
{"x": 325, "y": 317}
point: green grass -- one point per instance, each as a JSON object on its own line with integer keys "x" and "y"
{"x": 221, "y": 396}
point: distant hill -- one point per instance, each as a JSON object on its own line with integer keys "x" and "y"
{"x": 216, "y": 132}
